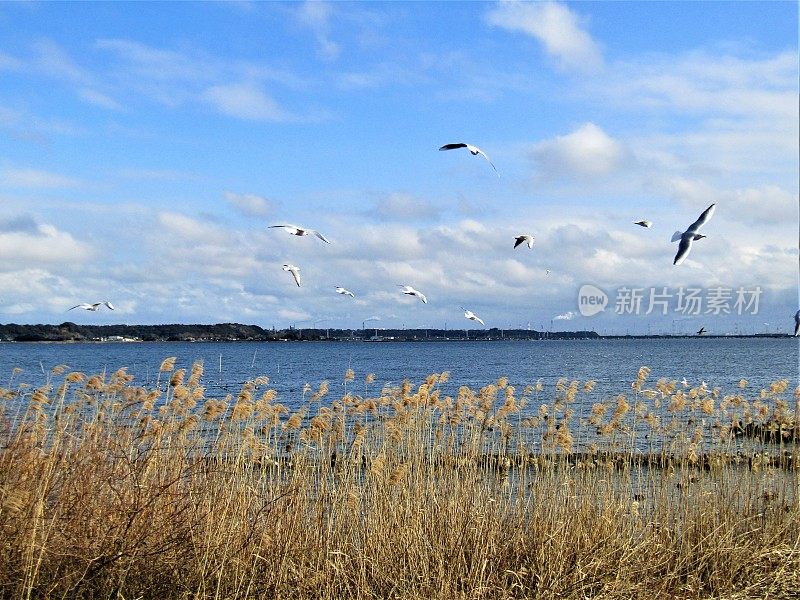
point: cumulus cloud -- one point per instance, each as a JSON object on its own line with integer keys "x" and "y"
{"x": 249, "y": 205}
{"x": 553, "y": 24}
{"x": 587, "y": 152}
{"x": 23, "y": 242}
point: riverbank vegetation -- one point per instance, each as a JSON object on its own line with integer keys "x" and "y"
{"x": 113, "y": 490}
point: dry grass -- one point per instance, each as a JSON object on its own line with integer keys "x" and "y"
{"x": 108, "y": 490}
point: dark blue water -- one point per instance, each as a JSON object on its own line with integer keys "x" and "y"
{"x": 613, "y": 363}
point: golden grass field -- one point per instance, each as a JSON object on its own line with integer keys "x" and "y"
{"x": 109, "y": 490}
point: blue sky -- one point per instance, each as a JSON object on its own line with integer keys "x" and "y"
{"x": 146, "y": 147}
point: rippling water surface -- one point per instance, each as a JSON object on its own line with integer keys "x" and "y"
{"x": 613, "y": 363}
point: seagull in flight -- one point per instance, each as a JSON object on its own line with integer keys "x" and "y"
{"x": 341, "y": 290}
{"x": 645, "y": 224}
{"x": 701, "y": 331}
{"x": 92, "y": 307}
{"x": 472, "y": 316}
{"x": 301, "y": 231}
{"x": 524, "y": 239}
{"x": 407, "y": 289}
{"x": 474, "y": 150}
{"x": 295, "y": 271}
{"x": 690, "y": 235}
{"x": 797, "y": 323}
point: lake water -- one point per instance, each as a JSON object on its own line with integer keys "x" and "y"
{"x": 613, "y": 363}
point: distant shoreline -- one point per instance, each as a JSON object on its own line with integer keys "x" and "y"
{"x": 234, "y": 332}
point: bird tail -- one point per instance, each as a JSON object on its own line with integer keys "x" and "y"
{"x": 676, "y": 236}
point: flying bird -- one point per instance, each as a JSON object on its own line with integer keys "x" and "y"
{"x": 684, "y": 383}
{"x": 407, "y": 289}
{"x": 645, "y": 224}
{"x": 701, "y": 331}
{"x": 690, "y": 235}
{"x": 474, "y": 150}
{"x": 301, "y": 231}
{"x": 295, "y": 271}
{"x": 524, "y": 239}
{"x": 547, "y": 272}
{"x": 92, "y": 307}
{"x": 341, "y": 290}
{"x": 472, "y": 316}
{"x": 797, "y": 323}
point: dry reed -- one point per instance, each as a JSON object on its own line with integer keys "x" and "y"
{"x": 110, "y": 490}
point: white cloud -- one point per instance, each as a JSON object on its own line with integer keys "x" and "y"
{"x": 249, "y": 204}
{"x": 555, "y": 26}
{"x": 316, "y": 15}
{"x": 764, "y": 205}
{"x": 699, "y": 82}
{"x": 403, "y": 207}
{"x": 99, "y": 99}
{"x": 44, "y": 245}
{"x": 34, "y": 178}
{"x": 587, "y": 152}
{"x": 245, "y": 101}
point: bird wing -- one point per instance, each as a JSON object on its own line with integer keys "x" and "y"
{"x": 452, "y": 146}
{"x": 479, "y": 320}
{"x": 422, "y": 297}
{"x": 109, "y": 305}
{"x": 519, "y": 239}
{"x": 486, "y": 156}
{"x": 797, "y": 323}
{"x": 319, "y": 235}
{"x": 296, "y": 274}
{"x": 702, "y": 219}
{"x": 683, "y": 248}
{"x": 83, "y": 305}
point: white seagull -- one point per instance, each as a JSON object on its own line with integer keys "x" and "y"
{"x": 524, "y": 239}
{"x": 797, "y": 323}
{"x": 341, "y": 290}
{"x": 645, "y": 224}
{"x": 92, "y": 307}
{"x": 472, "y": 316}
{"x": 690, "y": 235}
{"x": 684, "y": 383}
{"x": 407, "y": 289}
{"x": 301, "y": 231}
{"x": 474, "y": 150}
{"x": 295, "y": 271}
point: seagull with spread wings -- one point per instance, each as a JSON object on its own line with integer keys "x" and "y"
{"x": 474, "y": 150}
{"x": 92, "y": 307}
{"x": 410, "y": 291}
{"x": 523, "y": 239}
{"x": 295, "y": 271}
{"x": 468, "y": 314}
{"x": 301, "y": 231}
{"x": 690, "y": 235}
{"x": 341, "y": 290}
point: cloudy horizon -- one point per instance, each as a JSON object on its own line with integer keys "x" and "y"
{"x": 143, "y": 159}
